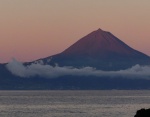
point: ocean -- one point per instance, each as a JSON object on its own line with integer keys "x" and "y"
{"x": 99, "y": 103}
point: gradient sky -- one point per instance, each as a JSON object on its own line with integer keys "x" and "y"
{"x": 32, "y": 29}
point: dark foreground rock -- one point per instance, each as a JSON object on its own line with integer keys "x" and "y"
{"x": 143, "y": 113}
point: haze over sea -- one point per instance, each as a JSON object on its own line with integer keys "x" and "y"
{"x": 110, "y": 103}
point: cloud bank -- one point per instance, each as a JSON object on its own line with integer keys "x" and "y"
{"x": 39, "y": 69}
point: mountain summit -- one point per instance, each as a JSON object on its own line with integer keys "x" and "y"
{"x": 101, "y": 44}
{"x": 99, "y": 49}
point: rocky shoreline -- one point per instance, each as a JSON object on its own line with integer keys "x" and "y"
{"x": 143, "y": 113}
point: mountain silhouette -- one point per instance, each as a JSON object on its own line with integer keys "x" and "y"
{"x": 99, "y": 49}
{"x": 101, "y": 44}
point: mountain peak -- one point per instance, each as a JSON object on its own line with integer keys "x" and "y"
{"x": 93, "y": 44}
{"x": 99, "y": 43}
{"x": 99, "y": 35}
{"x": 99, "y": 31}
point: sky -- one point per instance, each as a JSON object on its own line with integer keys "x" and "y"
{"x": 33, "y": 29}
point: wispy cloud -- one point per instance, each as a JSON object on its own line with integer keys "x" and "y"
{"x": 38, "y": 69}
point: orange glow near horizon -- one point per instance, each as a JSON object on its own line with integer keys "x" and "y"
{"x": 35, "y": 29}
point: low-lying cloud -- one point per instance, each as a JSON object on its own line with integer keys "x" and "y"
{"x": 38, "y": 69}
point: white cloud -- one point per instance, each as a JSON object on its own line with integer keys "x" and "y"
{"x": 47, "y": 71}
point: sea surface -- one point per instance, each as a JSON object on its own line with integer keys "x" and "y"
{"x": 112, "y": 103}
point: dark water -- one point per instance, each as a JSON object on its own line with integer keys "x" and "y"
{"x": 72, "y": 103}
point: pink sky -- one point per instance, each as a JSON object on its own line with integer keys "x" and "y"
{"x": 32, "y": 29}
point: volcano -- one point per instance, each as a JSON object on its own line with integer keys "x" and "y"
{"x": 101, "y": 44}
{"x": 99, "y": 49}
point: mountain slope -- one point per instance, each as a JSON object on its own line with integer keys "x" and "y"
{"x": 99, "y": 49}
{"x": 100, "y": 44}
